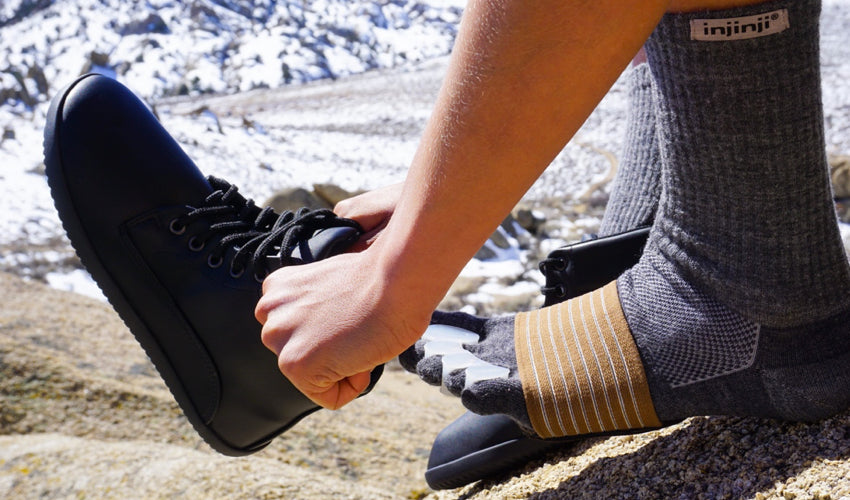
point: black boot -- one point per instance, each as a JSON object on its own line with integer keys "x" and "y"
{"x": 181, "y": 258}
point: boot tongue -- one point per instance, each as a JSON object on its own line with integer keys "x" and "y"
{"x": 323, "y": 244}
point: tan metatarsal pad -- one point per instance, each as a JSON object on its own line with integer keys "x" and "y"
{"x": 580, "y": 368}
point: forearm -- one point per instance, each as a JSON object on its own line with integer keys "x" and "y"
{"x": 523, "y": 78}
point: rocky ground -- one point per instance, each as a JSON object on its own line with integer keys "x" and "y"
{"x": 83, "y": 414}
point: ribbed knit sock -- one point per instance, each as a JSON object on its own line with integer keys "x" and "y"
{"x": 746, "y": 211}
{"x": 637, "y": 186}
{"x": 740, "y": 304}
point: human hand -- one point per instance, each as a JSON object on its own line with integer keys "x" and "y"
{"x": 332, "y": 321}
{"x": 372, "y": 210}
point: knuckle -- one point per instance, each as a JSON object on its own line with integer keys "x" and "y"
{"x": 261, "y": 312}
{"x": 291, "y": 363}
{"x": 266, "y": 338}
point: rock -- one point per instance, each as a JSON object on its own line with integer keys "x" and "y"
{"x": 839, "y": 167}
{"x": 18, "y": 91}
{"x": 99, "y": 58}
{"x": 248, "y": 123}
{"x": 6, "y": 94}
{"x": 843, "y": 211}
{"x": 38, "y": 169}
{"x": 151, "y": 24}
{"x": 466, "y": 284}
{"x": 83, "y": 413}
{"x": 24, "y": 9}
{"x": 36, "y": 74}
{"x": 205, "y": 111}
{"x": 529, "y": 219}
{"x": 506, "y": 242}
{"x": 333, "y": 194}
{"x": 294, "y": 198}
{"x": 96, "y": 60}
{"x": 520, "y": 296}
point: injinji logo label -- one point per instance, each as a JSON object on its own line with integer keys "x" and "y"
{"x": 740, "y": 28}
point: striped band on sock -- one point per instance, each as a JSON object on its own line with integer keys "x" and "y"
{"x": 580, "y": 369}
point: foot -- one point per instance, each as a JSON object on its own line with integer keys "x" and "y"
{"x": 581, "y": 369}
{"x": 181, "y": 258}
{"x": 475, "y": 447}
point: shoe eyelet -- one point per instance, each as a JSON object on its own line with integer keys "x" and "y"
{"x": 195, "y": 244}
{"x": 176, "y": 228}
{"x": 560, "y": 291}
{"x": 552, "y": 264}
{"x": 258, "y": 278}
{"x": 236, "y": 274}
{"x": 215, "y": 262}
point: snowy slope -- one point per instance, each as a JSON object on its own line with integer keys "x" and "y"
{"x": 163, "y": 48}
{"x": 168, "y": 47}
{"x": 359, "y": 131}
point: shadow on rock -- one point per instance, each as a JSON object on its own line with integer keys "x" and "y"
{"x": 712, "y": 457}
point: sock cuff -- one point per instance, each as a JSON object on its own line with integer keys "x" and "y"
{"x": 636, "y": 189}
{"x": 580, "y": 369}
{"x": 746, "y": 213}
{"x": 748, "y": 22}
{"x": 640, "y": 84}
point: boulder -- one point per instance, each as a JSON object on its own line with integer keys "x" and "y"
{"x": 333, "y": 194}
{"x": 151, "y": 24}
{"x": 506, "y": 242}
{"x": 294, "y": 198}
{"x": 839, "y": 168}
{"x": 529, "y": 219}
{"x": 36, "y": 74}
{"x": 95, "y": 61}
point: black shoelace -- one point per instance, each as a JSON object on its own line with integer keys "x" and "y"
{"x": 253, "y": 232}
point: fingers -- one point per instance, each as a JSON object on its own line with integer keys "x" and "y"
{"x": 274, "y": 333}
{"x": 371, "y": 209}
{"x": 325, "y": 387}
{"x": 340, "y": 393}
{"x": 273, "y": 295}
{"x": 309, "y": 361}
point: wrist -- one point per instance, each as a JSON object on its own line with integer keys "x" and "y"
{"x": 418, "y": 269}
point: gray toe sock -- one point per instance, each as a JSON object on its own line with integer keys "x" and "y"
{"x": 635, "y": 191}
{"x": 495, "y": 346}
{"x": 739, "y": 305}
